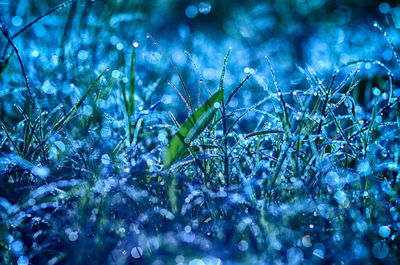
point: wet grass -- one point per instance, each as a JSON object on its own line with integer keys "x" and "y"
{"x": 110, "y": 161}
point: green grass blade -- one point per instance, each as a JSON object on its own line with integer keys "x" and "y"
{"x": 191, "y": 128}
{"x": 68, "y": 116}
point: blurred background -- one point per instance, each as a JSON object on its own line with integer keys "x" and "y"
{"x": 317, "y": 33}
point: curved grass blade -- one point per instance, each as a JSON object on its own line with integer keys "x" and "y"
{"x": 191, "y": 128}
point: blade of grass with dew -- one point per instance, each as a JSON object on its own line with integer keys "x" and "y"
{"x": 148, "y": 35}
{"x": 9, "y": 137}
{"x": 191, "y": 128}
{"x": 68, "y": 116}
{"x": 129, "y": 98}
{"x": 233, "y": 93}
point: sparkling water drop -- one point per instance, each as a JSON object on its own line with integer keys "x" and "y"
{"x": 384, "y": 231}
{"x": 105, "y": 159}
{"x": 332, "y": 178}
{"x": 41, "y": 171}
{"x": 17, "y": 21}
{"x": 17, "y": 246}
{"x": 116, "y": 74}
{"x": 384, "y": 8}
{"x": 119, "y": 46}
{"x": 380, "y": 250}
{"x": 196, "y": 262}
{"x": 243, "y": 245}
{"x": 137, "y": 252}
{"x": 204, "y": 7}
{"x": 191, "y": 11}
{"x": 23, "y": 260}
{"x": 60, "y": 146}
{"x": 105, "y": 132}
{"x": 83, "y": 55}
{"x": 73, "y": 236}
{"x": 318, "y": 253}
{"x": 48, "y": 88}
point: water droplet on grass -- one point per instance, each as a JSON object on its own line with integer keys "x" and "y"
{"x": 119, "y": 46}
{"x": 23, "y": 260}
{"x": 48, "y": 88}
{"x": 116, "y": 74}
{"x": 384, "y": 8}
{"x": 17, "y": 246}
{"x": 137, "y": 252}
{"x": 105, "y": 159}
{"x": 332, "y": 178}
{"x": 204, "y": 7}
{"x": 17, "y": 21}
{"x": 73, "y": 236}
{"x": 341, "y": 198}
{"x": 295, "y": 256}
{"x": 380, "y": 250}
{"x": 243, "y": 245}
{"x": 384, "y": 231}
{"x": 60, "y": 146}
{"x": 105, "y": 132}
{"x": 319, "y": 250}
{"x": 35, "y": 53}
{"x": 83, "y": 55}
{"x": 41, "y": 171}
{"x": 191, "y": 11}
{"x": 318, "y": 253}
{"x": 196, "y": 262}
{"x": 376, "y": 91}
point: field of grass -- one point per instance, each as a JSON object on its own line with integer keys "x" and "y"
{"x": 189, "y": 132}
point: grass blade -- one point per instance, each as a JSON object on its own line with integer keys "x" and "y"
{"x": 191, "y": 128}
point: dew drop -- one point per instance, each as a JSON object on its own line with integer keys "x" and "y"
{"x": 137, "y": 252}
{"x": 22, "y": 260}
{"x": 83, "y": 55}
{"x": 332, "y": 178}
{"x": 35, "y": 53}
{"x": 196, "y": 262}
{"x": 204, "y": 7}
{"x": 41, "y": 171}
{"x": 380, "y": 250}
{"x": 119, "y": 46}
{"x": 105, "y": 159}
{"x": 243, "y": 245}
{"x": 318, "y": 253}
{"x": 48, "y": 88}
{"x": 17, "y": 246}
{"x": 384, "y": 231}
{"x": 17, "y": 21}
{"x": 73, "y": 236}
{"x": 116, "y": 74}
{"x": 191, "y": 11}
